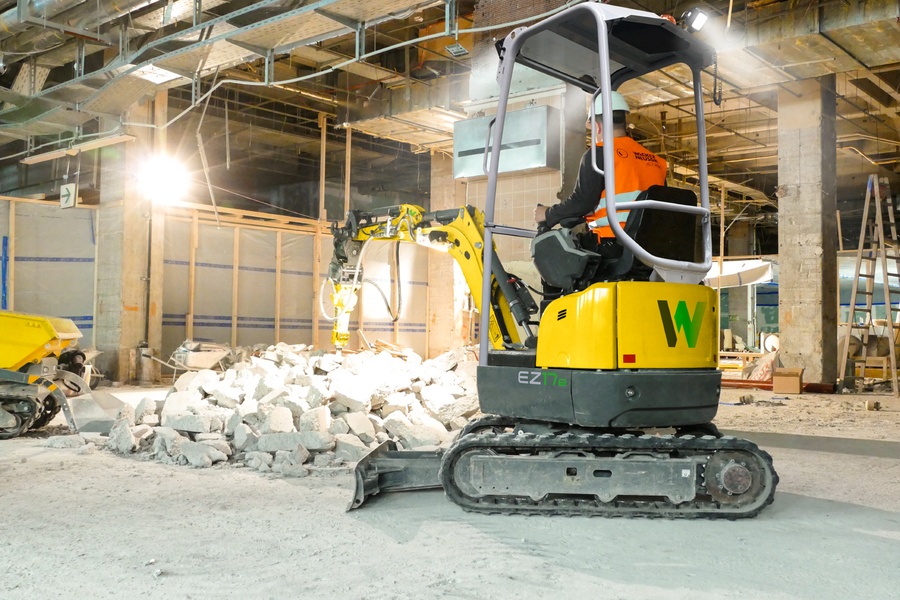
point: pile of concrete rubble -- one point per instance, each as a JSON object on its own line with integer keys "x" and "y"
{"x": 291, "y": 410}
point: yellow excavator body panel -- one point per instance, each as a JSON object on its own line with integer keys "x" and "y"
{"x": 666, "y": 326}
{"x": 631, "y": 325}
{"x": 578, "y": 331}
{"x": 27, "y": 338}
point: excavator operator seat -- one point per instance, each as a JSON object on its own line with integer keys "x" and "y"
{"x": 667, "y": 234}
{"x": 563, "y": 262}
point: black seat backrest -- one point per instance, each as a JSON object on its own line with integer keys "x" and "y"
{"x": 666, "y": 233}
{"x": 663, "y": 233}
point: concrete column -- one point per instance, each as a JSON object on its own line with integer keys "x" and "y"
{"x": 807, "y": 228}
{"x": 122, "y": 266}
{"x": 447, "y": 319}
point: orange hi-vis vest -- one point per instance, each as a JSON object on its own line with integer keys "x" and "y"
{"x": 636, "y": 170}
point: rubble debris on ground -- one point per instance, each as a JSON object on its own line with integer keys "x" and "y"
{"x": 292, "y": 411}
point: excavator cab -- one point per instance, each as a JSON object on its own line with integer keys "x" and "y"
{"x": 608, "y": 410}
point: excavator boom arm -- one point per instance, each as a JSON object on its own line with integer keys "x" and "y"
{"x": 460, "y": 233}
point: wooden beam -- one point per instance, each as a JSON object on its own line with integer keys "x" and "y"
{"x": 278, "y": 256}
{"x": 323, "y": 119}
{"x": 317, "y": 239}
{"x": 317, "y": 258}
{"x": 236, "y": 263}
{"x": 192, "y": 272}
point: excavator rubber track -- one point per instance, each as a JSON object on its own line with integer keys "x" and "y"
{"x": 609, "y": 475}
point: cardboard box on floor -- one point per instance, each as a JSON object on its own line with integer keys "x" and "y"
{"x": 787, "y": 381}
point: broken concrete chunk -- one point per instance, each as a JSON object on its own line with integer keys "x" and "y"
{"x": 88, "y": 448}
{"x": 179, "y": 402}
{"x": 295, "y": 402}
{"x": 260, "y": 461}
{"x": 232, "y": 422}
{"x": 228, "y": 397}
{"x": 325, "y": 459}
{"x": 417, "y": 386}
{"x": 272, "y": 442}
{"x": 280, "y": 420}
{"x": 145, "y": 408}
{"x": 319, "y": 392}
{"x": 360, "y": 425}
{"x": 121, "y": 440}
{"x": 316, "y": 441}
{"x": 349, "y": 447}
{"x": 423, "y": 419}
{"x": 377, "y": 422}
{"x": 299, "y": 456}
{"x": 447, "y": 360}
{"x": 398, "y": 402}
{"x": 184, "y": 381}
{"x": 151, "y": 420}
{"x": 457, "y": 423}
{"x": 168, "y": 440}
{"x": 65, "y": 441}
{"x": 445, "y": 407}
{"x": 201, "y": 455}
{"x": 269, "y": 384}
{"x": 141, "y": 432}
{"x": 338, "y": 426}
{"x": 355, "y": 393}
{"x": 292, "y": 470}
{"x": 126, "y": 412}
{"x": 316, "y": 419}
{"x": 411, "y": 434}
{"x": 220, "y": 445}
{"x": 244, "y": 438}
{"x": 188, "y": 422}
{"x": 98, "y": 439}
{"x": 381, "y": 437}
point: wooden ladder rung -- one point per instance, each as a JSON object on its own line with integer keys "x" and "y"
{"x": 864, "y": 276}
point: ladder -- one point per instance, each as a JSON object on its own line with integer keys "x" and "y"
{"x": 881, "y": 251}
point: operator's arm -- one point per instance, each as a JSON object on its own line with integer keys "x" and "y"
{"x": 585, "y": 196}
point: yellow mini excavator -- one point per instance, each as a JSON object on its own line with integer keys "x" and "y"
{"x": 623, "y": 346}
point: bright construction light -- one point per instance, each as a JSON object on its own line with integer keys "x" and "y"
{"x": 695, "y": 19}
{"x": 163, "y": 180}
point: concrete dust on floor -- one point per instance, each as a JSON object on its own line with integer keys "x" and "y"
{"x": 100, "y": 526}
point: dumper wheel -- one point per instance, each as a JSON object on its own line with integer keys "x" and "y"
{"x": 22, "y": 411}
{"x": 51, "y": 409}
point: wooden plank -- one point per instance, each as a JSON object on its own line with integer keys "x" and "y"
{"x": 317, "y": 258}
{"x": 243, "y": 223}
{"x": 323, "y": 119}
{"x": 11, "y": 268}
{"x": 236, "y": 263}
{"x": 54, "y": 203}
{"x": 840, "y": 236}
{"x": 278, "y": 257}
{"x": 192, "y": 272}
{"x": 246, "y": 213}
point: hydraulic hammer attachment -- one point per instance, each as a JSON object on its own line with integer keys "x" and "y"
{"x": 387, "y": 469}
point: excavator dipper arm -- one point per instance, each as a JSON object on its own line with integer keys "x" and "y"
{"x": 460, "y": 233}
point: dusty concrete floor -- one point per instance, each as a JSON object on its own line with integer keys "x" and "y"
{"x": 87, "y": 527}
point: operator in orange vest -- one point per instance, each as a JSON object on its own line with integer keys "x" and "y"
{"x": 636, "y": 170}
